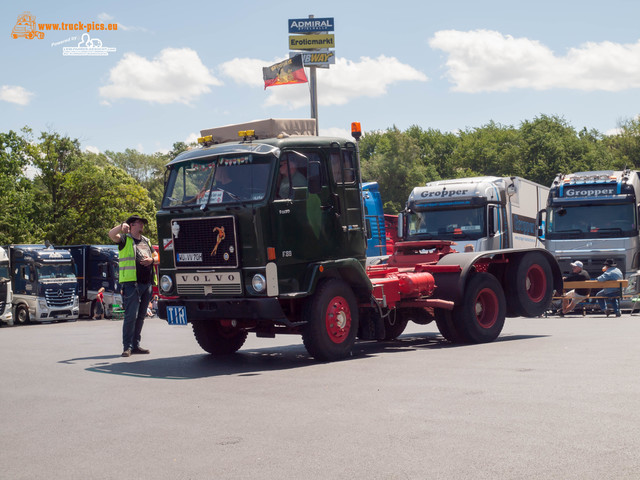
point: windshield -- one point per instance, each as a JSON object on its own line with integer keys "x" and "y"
{"x": 459, "y": 223}
{"x": 56, "y": 271}
{"x": 218, "y": 180}
{"x": 4, "y": 273}
{"x": 592, "y": 221}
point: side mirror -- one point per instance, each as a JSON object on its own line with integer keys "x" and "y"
{"x": 493, "y": 220}
{"x": 540, "y": 222}
{"x": 401, "y": 226}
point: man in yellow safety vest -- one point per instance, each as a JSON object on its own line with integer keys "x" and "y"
{"x": 137, "y": 276}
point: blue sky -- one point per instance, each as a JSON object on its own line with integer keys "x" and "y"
{"x": 179, "y": 67}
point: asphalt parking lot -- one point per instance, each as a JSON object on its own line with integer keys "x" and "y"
{"x": 552, "y": 398}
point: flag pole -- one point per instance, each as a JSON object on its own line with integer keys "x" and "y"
{"x": 313, "y": 93}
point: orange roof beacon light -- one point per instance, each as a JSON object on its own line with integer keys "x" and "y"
{"x": 356, "y": 131}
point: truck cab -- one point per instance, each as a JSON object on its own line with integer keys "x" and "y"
{"x": 375, "y": 221}
{"x": 480, "y": 213}
{"x": 44, "y": 284}
{"x": 6, "y": 296}
{"x": 594, "y": 216}
{"x": 249, "y": 228}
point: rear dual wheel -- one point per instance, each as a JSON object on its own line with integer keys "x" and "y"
{"x": 480, "y": 316}
{"x": 530, "y": 282}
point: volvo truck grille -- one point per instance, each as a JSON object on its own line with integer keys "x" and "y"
{"x": 205, "y": 242}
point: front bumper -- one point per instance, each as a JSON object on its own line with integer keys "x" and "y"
{"x": 51, "y": 314}
{"x": 227, "y": 309}
{"x": 7, "y": 317}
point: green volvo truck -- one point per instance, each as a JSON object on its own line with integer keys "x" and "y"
{"x": 262, "y": 230}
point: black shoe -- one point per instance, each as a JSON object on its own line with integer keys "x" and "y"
{"x": 126, "y": 353}
{"x": 617, "y": 314}
{"x": 140, "y": 350}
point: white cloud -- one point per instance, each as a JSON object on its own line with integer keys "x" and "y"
{"x": 342, "y": 82}
{"x": 92, "y": 149}
{"x": 106, "y": 18}
{"x": 192, "y": 138}
{"x": 484, "y": 60}
{"x": 246, "y": 71}
{"x": 15, "y": 94}
{"x": 175, "y": 75}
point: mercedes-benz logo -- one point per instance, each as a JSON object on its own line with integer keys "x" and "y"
{"x": 60, "y": 293}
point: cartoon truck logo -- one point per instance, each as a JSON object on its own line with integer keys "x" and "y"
{"x": 26, "y": 27}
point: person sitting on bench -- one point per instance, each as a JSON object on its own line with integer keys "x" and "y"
{"x": 574, "y": 297}
{"x": 610, "y": 272}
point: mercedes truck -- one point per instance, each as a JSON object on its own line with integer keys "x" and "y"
{"x": 44, "y": 284}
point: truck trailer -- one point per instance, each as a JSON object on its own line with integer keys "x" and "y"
{"x": 593, "y": 216}
{"x": 483, "y": 213}
{"x": 96, "y": 266}
{"x": 44, "y": 284}
{"x": 262, "y": 230}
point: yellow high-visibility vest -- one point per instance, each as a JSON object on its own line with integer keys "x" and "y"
{"x": 127, "y": 261}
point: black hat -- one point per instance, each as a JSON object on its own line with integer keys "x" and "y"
{"x": 609, "y": 262}
{"x": 133, "y": 218}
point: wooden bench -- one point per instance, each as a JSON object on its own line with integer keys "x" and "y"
{"x": 594, "y": 285}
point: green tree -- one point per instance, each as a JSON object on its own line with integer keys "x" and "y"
{"x": 550, "y": 146}
{"x": 18, "y": 218}
{"x": 95, "y": 198}
{"x": 395, "y": 164}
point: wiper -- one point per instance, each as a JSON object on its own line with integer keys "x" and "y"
{"x": 232, "y": 195}
{"x": 573, "y": 230}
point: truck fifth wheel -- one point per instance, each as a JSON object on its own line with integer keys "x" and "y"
{"x": 262, "y": 231}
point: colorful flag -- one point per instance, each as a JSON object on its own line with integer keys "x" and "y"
{"x": 284, "y": 73}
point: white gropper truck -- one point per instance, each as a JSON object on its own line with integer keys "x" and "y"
{"x": 482, "y": 213}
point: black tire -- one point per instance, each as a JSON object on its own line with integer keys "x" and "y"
{"x": 395, "y": 323}
{"x": 447, "y": 327}
{"x": 216, "y": 339}
{"x": 22, "y": 315}
{"x": 530, "y": 285}
{"x": 92, "y": 311}
{"x": 480, "y": 317}
{"x": 332, "y": 321}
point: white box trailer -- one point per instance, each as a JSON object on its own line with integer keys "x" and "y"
{"x": 479, "y": 213}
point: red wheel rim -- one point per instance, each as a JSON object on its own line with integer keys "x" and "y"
{"x": 338, "y": 319}
{"x": 536, "y": 283}
{"x": 486, "y": 308}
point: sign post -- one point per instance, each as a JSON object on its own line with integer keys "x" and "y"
{"x": 314, "y": 39}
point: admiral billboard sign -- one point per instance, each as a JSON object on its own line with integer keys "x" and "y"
{"x": 310, "y": 25}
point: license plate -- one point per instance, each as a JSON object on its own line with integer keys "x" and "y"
{"x": 177, "y": 315}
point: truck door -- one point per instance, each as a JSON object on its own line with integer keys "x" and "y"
{"x": 347, "y": 200}
{"x": 496, "y": 228}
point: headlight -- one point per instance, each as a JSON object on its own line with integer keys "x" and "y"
{"x": 166, "y": 283}
{"x": 259, "y": 283}
{"x": 42, "y": 303}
